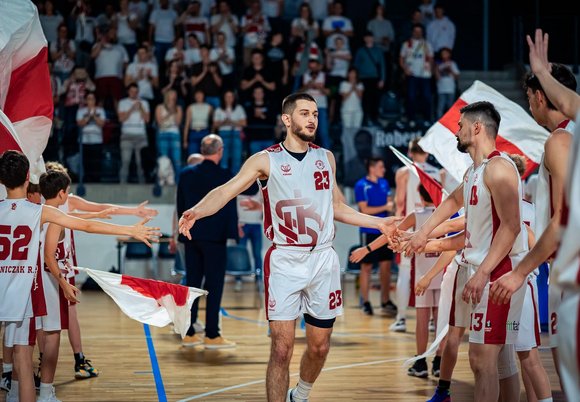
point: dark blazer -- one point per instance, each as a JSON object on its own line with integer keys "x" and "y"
{"x": 194, "y": 183}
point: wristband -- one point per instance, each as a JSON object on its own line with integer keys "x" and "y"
{"x": 369, "y": 249}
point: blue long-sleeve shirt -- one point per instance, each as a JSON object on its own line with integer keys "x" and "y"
{"x": 370, "y": 63}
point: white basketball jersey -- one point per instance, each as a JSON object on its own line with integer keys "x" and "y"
{"x": 422, "y": 263}
{"x": 481, "y": 220}
{"x": 69, "y": 251}
{"x": 543, "y": 197}
{"x": 566, "y": 267}
{"x": 20, "y": 258}
{"x": 298, "y": 207}
{"x": 412, "y": 197}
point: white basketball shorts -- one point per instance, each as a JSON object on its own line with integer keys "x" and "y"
{"x": 22, "y": 333}
{"x": 56, "y": 317}
{"x": 529, "y": 333}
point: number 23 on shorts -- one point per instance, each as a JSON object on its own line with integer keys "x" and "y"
{"x": 335, "y": 299}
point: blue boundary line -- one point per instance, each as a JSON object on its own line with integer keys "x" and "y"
{"x": 161, "y": 396}
{"x": 235, "y": 317}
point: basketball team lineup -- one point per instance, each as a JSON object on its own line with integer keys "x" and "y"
{"x": 468, "y": 261}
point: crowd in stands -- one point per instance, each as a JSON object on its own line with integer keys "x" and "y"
{"x": 134, "y": 80}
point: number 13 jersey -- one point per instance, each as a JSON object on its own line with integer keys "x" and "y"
{"x": 298, "y": 208}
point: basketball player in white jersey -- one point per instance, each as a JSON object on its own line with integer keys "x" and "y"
{"x": 495, "y": 240}
{"x": 407, "y": 199}
{"x": 21, "y": 287}
{"x": 549, "y": 193}
{"x": 301, "y": 269}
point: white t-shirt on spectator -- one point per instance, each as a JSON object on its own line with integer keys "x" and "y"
{"x": 258, "y": 30}
{"x": 303, "y": 24}
{"x": 225, "y": 68}
{"x": 317, "y": 94}
{"x": 319, "y": 8}
{"x": 85, "y": 28}
{"x": 172, "y": 54}
{"x": 352, "y": 103}
{"x": 63, "y": 64}
{"x": 50, "y": 25}
{"x": 415, "y": 53}
{"x": 331, "y": 23}
{"x": 340, "y": 66}
{"x": 271, "y": 8}
{"x": 226, "y": 28}
{"x": 205, "y": 7}
{"x": 196, "y": 25}
{"x": 155, "y": 4}
{"x": 446, "y": 83}
{"x": 192, "y": 56}
{"x": 164, "y": 21}
{"x": 125, "y": 34}
{"x": 234, "y": 115}
{"x": 441, "y": 33}
{"x": 134, "y": 125}
{"x": 92, "y": 133}
{"x": 144, "y": 84}
{"x": 110, "y": 61}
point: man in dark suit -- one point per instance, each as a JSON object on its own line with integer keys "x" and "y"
{"x": 205, "y": 253}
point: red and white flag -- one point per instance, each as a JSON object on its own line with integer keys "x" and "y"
{"x": 149, "y": 301}
{"x": 518, "y": 132}
{"x": 25, "y": 92}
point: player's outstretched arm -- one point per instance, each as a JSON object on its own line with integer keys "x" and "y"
{"x": 448, "y": 207}
{"x": 443, "y": 261}
{"x": 256, "y": 167}
{"x": 451, "y": 243}
{"x": 565, "y": 100}
{"x": 138, "y": 231}
{"x": 53, "y": 234}
{"x": 502, "y": 181}
{"x": 104, "y": 214}
{"x": 79, "y": 203}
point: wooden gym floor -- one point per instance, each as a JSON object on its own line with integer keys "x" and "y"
{"x": 365, "y": 361}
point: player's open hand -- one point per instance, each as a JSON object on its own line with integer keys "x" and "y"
{"x": 388, "y": 225}
{"x": 143, "y": 211}
{"x": 474, "y": 288}
{"x": 422, "y": 285}
{"x": 502, "y": 289}
{"x": 357, "y": 255}
{"x": 186, "y": 223}
{"x": 539, "y": 52}
{"x": 416, "y": 243}
{"x": 70, "y": 292}
{"x": 146, "y": 234}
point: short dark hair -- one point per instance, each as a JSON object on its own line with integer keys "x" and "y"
{"x": 486, "y": 113}
{"x": 289, "y": 102}
{"x": 372, "y": 161}
{"x": 417, "y": 25}
{"x": 52, "y": 182}
{"x": 520, "y": 163}
{"x": 33, "y": 188}
{"x": 131, "y": 85}
{"x": 14, "y": 168}
{"x": 414, "y": 146}
{"x": 425, "y": 194}
{"x": 560, "y": 72}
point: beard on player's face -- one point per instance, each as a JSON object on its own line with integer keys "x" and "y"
{"x": 462, "y": 146}
{"x": 302, "y": 132}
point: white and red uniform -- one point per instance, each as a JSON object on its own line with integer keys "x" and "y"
{"x": 489, "y": 323}
{"x": 421, "y": 264}
{"x": 566, "y": 272}
{"x": 20, "y": 258}
{"x": 301, "y": 268}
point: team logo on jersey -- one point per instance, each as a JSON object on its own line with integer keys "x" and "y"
{"x": 13, "y": 207}
{"x": 271, "y": 303}
{"x": 294, "y": 216}
{"x": 319, "y": 164}
{"x": 286, "y": 169}
{"x": 488, "y": 326}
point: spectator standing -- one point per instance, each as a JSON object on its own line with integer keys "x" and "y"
{"x": 192, "y": 51}
{"x": 257, "y": 75}
{"x": 372, "y": 194}
{"x": 250, "y": 216}
{"x": 85, "y": 24}
{"x": 370, "y": 64}
{"x": 441, "y": 31}
{"x": 337, "y": 62}
{"x": 62, "y": 52}
{"x": 337, "y": 25}
{"x": 50, "y": 21}
{"x": 144, "y": 72}
{"x": 304, "y": 26}
{"x": 197, "y": 123}
{"x": 193, "y": 22}
{"x": 228, "y": 122}
{"x": 205, "y": 253}
{"x": 177, "y": 52}
{"x": 406, "y": 30}
{"x": 314, "y": 83}
{"x": 319, "y": 8}
{"x": 91, "y": 119}
{"x": 352, "y": 91}
{"x": 134, "y": 115}
{"x": 224, "y": 21}
{"x": 162, "y": 30}
{"x": 175, "y": 79}
{"x": 168, "y": 116}
{"x": 384, "y": 35}
{"x": 225, "y": 57}
{"x": 255, "y": 28}
{"x": 277, "y": 63}
{"x": 416, "y": 61}
{"x": 206, "y": 77}
{"x": 272, "y": 9}
{"x": 127, "y": 24}
{"x": 446, "y": 73}
{"x": 261, "y": 121}
{"x": 110, "y": 61}
{"x": 427, "y": 10}
{"x": 141, "y": 9}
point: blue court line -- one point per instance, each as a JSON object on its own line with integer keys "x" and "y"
{"x": 235, "y": 317}
{"x": 155, "y": 365}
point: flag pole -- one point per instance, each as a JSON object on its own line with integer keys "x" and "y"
{"x": 161, "y": 396}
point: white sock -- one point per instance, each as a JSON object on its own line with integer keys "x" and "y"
{"x": 14, "y": 388}
{"x": 403, "y": 291}
{"x": 45, "y": 390}
{"x": 546, "y": 400}
{"x": 6, "y": 367}
{"x": 302, "y": 389}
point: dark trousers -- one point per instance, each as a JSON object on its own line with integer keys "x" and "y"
{"x": 418, "y": 97}
{"x": 370, "y": 100}
{"x": 206, "y": 260}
